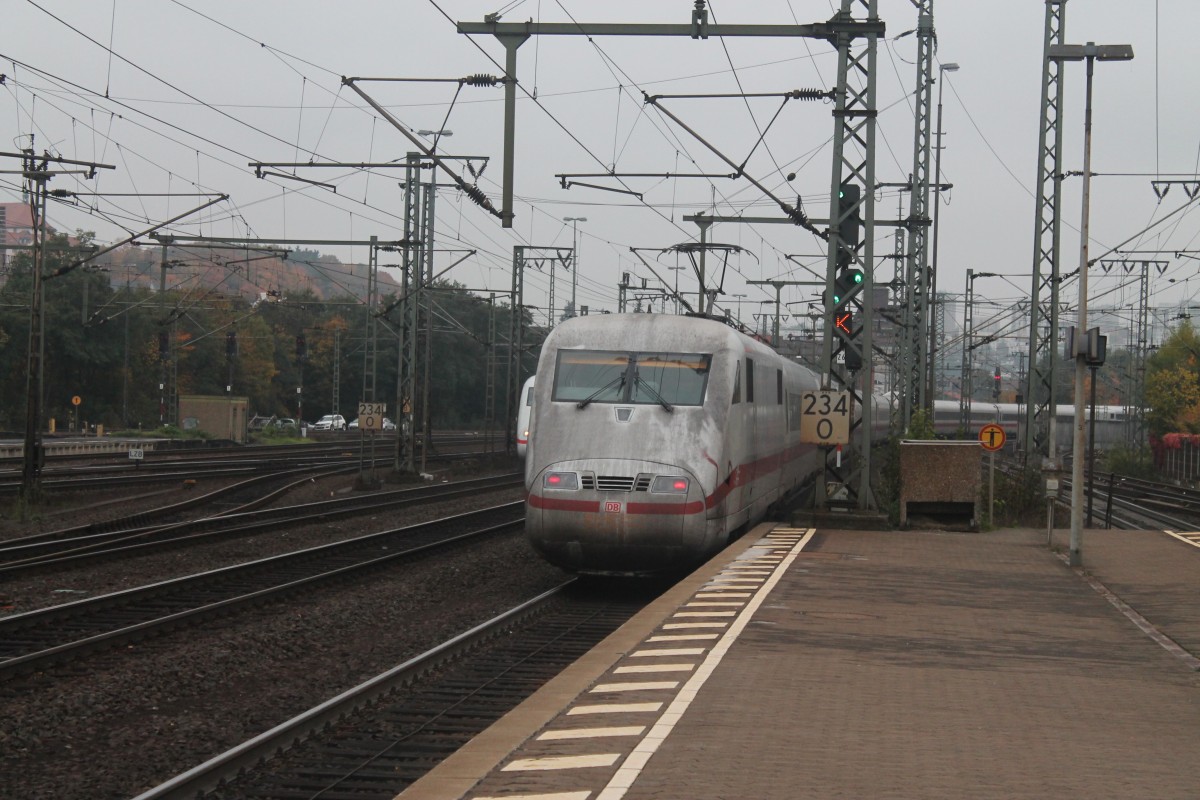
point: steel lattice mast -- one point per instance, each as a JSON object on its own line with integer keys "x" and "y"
{"x": 1043, "y": 326}
{"x": 915, "y": 333}
{"x": 853, "y": 163}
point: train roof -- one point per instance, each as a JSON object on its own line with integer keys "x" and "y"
{"x": 645, "y": 330}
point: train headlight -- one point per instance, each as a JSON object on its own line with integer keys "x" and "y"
{"x": 669, "y": 484}
{"x": 561, "y": 480}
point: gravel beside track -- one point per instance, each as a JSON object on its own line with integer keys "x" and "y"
{"x": 75, "y": 508}
{"x": 55, "y": 587}
{"x": 124, "y": 721}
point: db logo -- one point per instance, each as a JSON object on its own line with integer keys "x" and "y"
{"x": 612, "y": 507}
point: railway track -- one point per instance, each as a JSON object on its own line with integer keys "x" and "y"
{"x": 1130, "y": 503}
{"x": 1136, "y": 504}
{"x": 162, "y": 466}
{"x": 381, "y": 736}
{"x": 35, "y": 640}
{"x": 130, "y": 536}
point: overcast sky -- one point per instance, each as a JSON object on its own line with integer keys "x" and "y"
{"x": 194, "y": 90}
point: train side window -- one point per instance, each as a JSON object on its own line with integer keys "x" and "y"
{"x": 749, "y": 380}
{"x": 793, "y": 412}
{"x": 779, "y": 387}
{"x": 737, "y": 384}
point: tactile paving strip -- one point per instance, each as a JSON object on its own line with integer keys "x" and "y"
{"x": 598, "y": 746}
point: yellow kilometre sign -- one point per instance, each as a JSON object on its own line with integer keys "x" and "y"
{"x": 992, "y": 437}
{"x": 370, "y": 416}
{"x": 825, "y": 417}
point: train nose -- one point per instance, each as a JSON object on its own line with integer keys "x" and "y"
{"x": 615, "y": 517}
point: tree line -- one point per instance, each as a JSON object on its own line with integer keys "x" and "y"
{"x": 105, "y": 343}
{"x": 1173, "y": 384}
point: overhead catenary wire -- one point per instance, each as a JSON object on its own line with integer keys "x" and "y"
{"x": 283, "y": 192}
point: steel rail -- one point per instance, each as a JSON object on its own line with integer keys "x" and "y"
{"x": 245, "y": 520}
{"x": 20, "y": 631}
{"x": 213, "y": 772}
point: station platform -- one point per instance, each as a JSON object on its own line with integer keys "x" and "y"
{"x": 854, "y": 664}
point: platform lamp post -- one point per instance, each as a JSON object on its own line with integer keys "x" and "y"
{"x": 436, "y": 136}
{"x": 761, "y": 320}
{"x": 949, "y": 66}
{"x": 574, "y": 258}
{"x": 739, "y": 299}
{"x": 676, "y": 270}
{"x": 1089, "y": 52}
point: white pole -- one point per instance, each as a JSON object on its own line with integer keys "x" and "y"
{"x": 992, "y": 489}
{"x": 1075, "y": 557}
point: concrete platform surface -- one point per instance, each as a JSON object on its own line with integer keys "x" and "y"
{"x": 853, "y": 664}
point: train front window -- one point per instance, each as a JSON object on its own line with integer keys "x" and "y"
{"x": 598, "y": 376}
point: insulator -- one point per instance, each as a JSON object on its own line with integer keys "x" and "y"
{"x": 807, "y": 94}
{"x": 476, "y": 194}
{"x": 479, "y": 79}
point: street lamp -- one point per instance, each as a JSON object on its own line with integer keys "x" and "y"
{"x": 762, "y": 318}
{"x": 965, "y": 399}
{"x": 575, "y": 257}
{"x": 437, "y": 135}
{"x": 1089, "y": 52}
{"x": 937, "y": 206}
{"x": 739, "y": 305}
{"x": 676, "y": 269}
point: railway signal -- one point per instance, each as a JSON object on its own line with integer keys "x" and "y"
{"x": 844, "y": 283}
{"x": 849, "y": 222}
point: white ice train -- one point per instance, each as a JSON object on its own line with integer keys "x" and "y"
{"x": 656, "y": 438}
{"x": 1112, "y": 422}
{"x": 524, "y": 407}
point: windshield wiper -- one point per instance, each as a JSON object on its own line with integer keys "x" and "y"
{"x": 638, "y": 381}
{"x": 619, "y": 381}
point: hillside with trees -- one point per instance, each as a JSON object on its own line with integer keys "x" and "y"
{"x": 105, "y": 333}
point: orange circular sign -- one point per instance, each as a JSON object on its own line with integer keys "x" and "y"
{"x": 992, "y": 437}
{"x": 76, "y": 400}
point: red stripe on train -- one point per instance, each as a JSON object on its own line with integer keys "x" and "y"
{"x": 556, "y": 504}
{"x": 694, "y": 507}
{"x": 741, "y": 475}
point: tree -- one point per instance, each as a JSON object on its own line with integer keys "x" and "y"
{"x": 98, "y": 321}
{"x": 1173, "y": 397}
{"x": 1173, "y": 384}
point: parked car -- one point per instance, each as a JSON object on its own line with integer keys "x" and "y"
{"x": 286, "y": 422}
{"x": 388, "y": 425}
{"x": 331, "y": 422}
